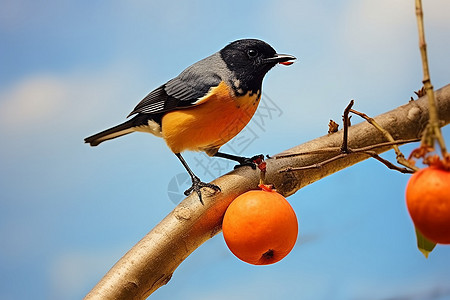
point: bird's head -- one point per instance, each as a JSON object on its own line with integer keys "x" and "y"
{"x": 250, "y": 59}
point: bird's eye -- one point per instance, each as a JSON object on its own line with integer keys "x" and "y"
{"x": 252, "y": 53}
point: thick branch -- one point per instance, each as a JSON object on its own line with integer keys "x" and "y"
{"x": 151, "y": 262}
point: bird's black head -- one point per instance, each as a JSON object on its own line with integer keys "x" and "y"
{"x": 249, "y": 60}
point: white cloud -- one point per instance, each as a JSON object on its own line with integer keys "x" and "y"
{"x": 32, "y": 100}
{"x": 57, "y": 101}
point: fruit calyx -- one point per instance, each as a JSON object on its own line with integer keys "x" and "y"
{"x": 266, "y": 187}
{"x": 428, "y": 158}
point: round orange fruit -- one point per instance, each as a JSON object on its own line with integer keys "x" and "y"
{"x": 260, "y": 227}
{"x": 428, "y": 202}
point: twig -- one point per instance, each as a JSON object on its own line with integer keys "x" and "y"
{"x": 318, "y": 151}
{"x": 346, "y": 120}
{"x": 397, "y": 142}
{"x": 388, "y": 163}
{"x": 337, "y": 149}
{"x": 399, "y": 155}
{"x": 365, "y": 150}
{"x": 316, "y": 165}
{"x": 433, "y": 130}
{"x": 344, "y": 150}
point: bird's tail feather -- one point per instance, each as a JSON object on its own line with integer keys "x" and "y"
{"x": 111, "y": 133}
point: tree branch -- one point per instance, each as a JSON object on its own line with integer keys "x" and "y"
{"x": 151, "y": 262}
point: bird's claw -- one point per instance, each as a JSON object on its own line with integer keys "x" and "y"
{"x": 197, "y": 184}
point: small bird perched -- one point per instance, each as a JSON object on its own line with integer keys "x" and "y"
{"x": 205, "y": 106}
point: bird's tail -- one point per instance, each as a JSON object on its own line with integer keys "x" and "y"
{"x": 111, "y": 133}
{"x": 135, "y": 124}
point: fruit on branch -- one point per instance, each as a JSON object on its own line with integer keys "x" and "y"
{"x": 260, "y": 227}
{"x": 428, "y": 202}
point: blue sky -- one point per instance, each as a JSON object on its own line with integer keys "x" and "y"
{"x": 68, "y": 212}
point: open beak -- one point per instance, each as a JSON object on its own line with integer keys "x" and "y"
{"x": 284, "y": 59}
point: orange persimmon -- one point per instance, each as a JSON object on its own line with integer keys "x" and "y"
{"x": 428, "y": 202}
{"x": 260, "y": 227}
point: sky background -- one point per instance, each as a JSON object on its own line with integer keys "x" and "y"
{"x": 68, "y": 212}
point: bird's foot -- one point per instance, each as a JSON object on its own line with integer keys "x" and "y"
{"x": 197, "y": 184}
{"x": 252, "y": 162}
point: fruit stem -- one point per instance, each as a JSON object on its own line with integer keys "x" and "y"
{"x": 433, "y": 130}
{"x": 264, "y": 187}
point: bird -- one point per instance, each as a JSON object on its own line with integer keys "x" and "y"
{"x": 205, "y": 106}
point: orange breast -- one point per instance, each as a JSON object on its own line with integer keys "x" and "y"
{"x": 207, "y": 126}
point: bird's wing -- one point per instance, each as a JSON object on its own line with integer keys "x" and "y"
{"x": 183, "y": 91}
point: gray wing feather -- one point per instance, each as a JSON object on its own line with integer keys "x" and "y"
{"x": 185, "y": 89}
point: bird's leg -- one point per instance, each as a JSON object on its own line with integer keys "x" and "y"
{"x": 243, "y": 161}
{"x": 197, "y": 184}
